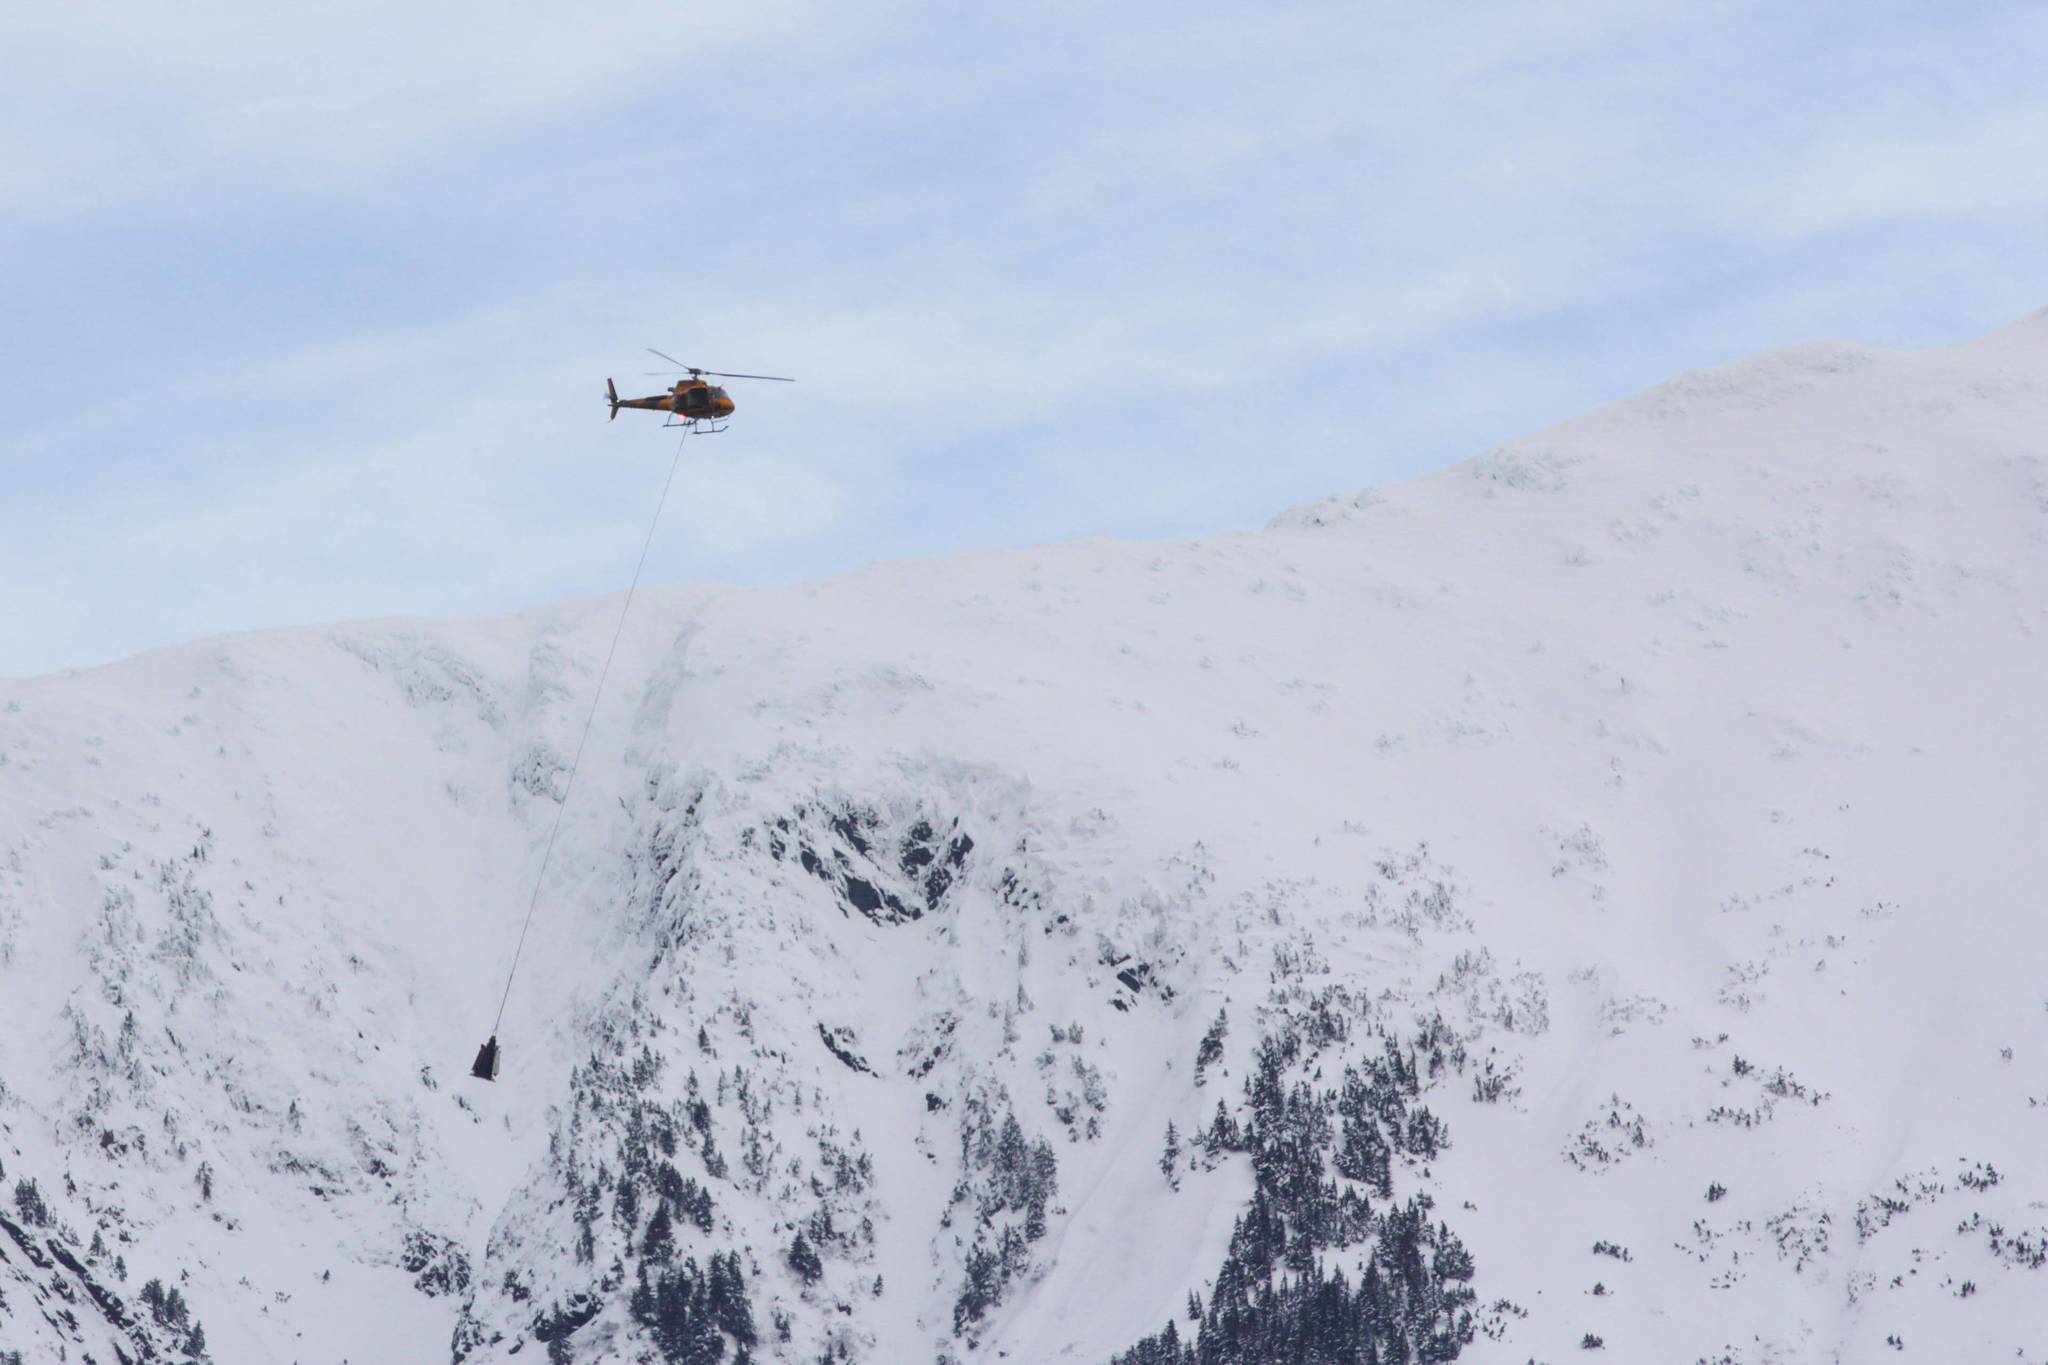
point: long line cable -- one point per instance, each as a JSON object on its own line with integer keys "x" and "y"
{"x": 540, "y": 878}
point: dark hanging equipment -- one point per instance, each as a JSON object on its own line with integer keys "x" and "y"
{"x": 486, "y": 1068}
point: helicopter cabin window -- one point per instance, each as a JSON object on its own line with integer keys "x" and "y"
{"x": 695, "y": 400}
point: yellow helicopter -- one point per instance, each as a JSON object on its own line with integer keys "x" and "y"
{"x": 691, "y": 402}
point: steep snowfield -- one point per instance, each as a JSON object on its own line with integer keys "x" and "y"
{"x": 1684, "y": 760}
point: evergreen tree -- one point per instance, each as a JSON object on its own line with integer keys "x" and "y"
{"x": 676, "y": 1306}
{"x": 1223, "y": 1133}
{"x": 1426, "y": 1135}
{"x": 714, "y": 1164}
{"x": 660, "y": 1243}
{"x": 803, "y": 1259}
{"x": 641, "y": 1304}
{"x": 1013, "y": 1253}
{"x": 696, "y": 1202}
{"x": 586, "y": 1221}
{"x": 1040, "y": 1185}
{"x": 727, "y": 1299}
{"x": 983, "y": 1284}
{"x": 28, "y": 1202}
{"x": 1211, "y": 1050}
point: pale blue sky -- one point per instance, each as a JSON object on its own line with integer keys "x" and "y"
{"x": 310, "y": 307}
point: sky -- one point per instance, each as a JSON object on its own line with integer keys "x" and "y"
{"x": 309, "y": 308}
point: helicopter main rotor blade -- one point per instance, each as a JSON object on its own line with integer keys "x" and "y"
{"x": 681, "y": 368}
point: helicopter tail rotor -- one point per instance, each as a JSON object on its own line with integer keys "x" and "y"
{"x": 611, "y": 392}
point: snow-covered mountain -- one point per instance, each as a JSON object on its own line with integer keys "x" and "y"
{"x": 1590, "y": 898}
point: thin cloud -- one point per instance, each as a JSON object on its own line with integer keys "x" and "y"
{"x": 326, "y": 87}
{"x": 1985, "y": 166}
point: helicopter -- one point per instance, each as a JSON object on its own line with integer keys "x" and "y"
{"x": 691, "y": 402}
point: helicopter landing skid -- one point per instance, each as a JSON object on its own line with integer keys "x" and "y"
{"x": 696, "y": 427}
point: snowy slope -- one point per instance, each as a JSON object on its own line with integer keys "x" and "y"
{"x": 1677, "y": 767}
